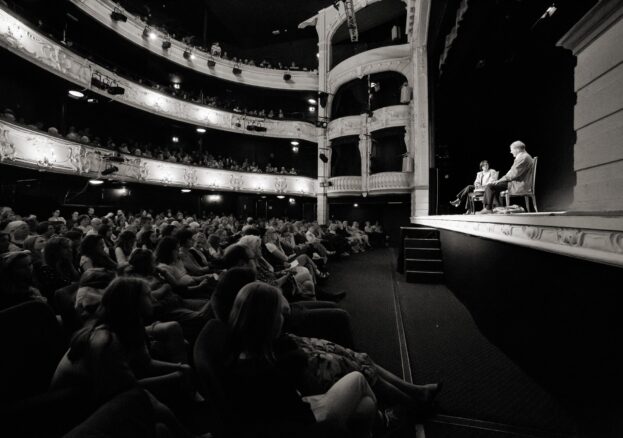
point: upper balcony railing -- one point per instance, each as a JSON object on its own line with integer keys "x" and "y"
{"x": 132, "y": 29}
{"x": 20, "y": 146}
{"x": 387, "y": 117}
{"x": 31, "y": 45}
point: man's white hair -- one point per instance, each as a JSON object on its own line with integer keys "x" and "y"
{"x": 519, "y": 145}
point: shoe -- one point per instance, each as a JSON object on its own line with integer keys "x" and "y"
{"x": 456, "y": 202}
{"x": 334, "y": 296}
{"x": 485, "y": 211}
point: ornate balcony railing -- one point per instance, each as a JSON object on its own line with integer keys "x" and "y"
{"x": 133, "y": 28}
{"x": 390, "y": 182}
{"x": 387, "y": 117}
{"x": 20, "y": 146}
{"x": 344, "y": 186}
{"x": 31, "y": 45}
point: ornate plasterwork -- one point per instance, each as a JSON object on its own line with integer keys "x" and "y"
{"x": 390, "y": 182}
{"x": 599, "y": 245}
{"x": 388, "y": 117}
{"x": 23, "y": 147}
{"x": 38, "y": 49}
{"x": 133, "y": 28}
{"x": 344, "y": 186}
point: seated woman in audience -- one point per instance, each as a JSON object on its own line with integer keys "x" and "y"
{"x": 126, "y": 242}
{"x": 110, "y": 355}
{"x": 57, "y": 270}
{"x": 276, "y": 256}
{"x": 215, "y": 251}
{"x": 35, "y": 245}
{"x": 93, "y": 254}
{"x": 148, "y": 240}
{"x": 188, "y": 258}
{"x": 16, "y": 280}
{"x": 267, "y": 372}
{"x": 18, "y": 231}
{"x": 304, "y": 287}
{"x": 106, "y": 232}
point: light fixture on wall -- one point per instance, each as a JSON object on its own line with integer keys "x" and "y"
{"x": 186, "y": 190}
{"x": 96, "y": 182}
{"x": 201, "y": 130}
{"x": 175, "y": 139}
{"x": 294, "y": 142}
{"x": 280, "y": 197}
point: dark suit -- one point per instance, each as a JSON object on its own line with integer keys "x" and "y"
{"x": 517, "y": 179}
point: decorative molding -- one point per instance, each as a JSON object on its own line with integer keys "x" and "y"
{"x": 23, "y": 147}
{"x": 132, "y": 30}
{"x": 387, "y": 117}
{"x": 344, "y": 186}
{"x": 44, "y": 52}
{"x": 392, "y": 58}
{"x": 596, "y": 21}
{"x": 545, "y": 233}
{"x": 390, "y": 183}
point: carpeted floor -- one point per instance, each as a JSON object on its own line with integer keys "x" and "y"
{"x": 444, "y": 344}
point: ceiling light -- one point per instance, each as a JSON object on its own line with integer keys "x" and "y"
{"x": 201, "y": 130}
{"x": 355, "y": 205}
{"x": 75, "y": 93}
{"x": 175, "y": 139}
{"x": 312, "y": 109}
{"x": 280, "y": 197}
{"x": 294, "y": 143}
{"x": 186, "y": 190}
{"x": 96, "y": 182}
{"x": 311, "y": 101}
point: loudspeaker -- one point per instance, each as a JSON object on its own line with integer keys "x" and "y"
{"x": 323, "y": 158}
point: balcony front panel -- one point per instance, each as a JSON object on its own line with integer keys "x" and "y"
{"x": 390, "y": 183}
{"x": 344, "y": 186}
{"x": 20, "y": 146}
{"x": 391, "y": 58}
{"x": 29, "y": 44}
{"x": 133, "y": 28}
{"x": 387, "y": 117}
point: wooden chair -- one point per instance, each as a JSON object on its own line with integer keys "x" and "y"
{"x": 478, "y": 196}
{"x": 528, "y": 194}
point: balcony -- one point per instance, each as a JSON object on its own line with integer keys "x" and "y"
{"x": 387, "y": 117}
{"x": 133, "y": 28}
{"x": 344, "y": 186}
{"x": 32, "y": 149}
{"x": 390, "y": 183}
{"x": 31, "y": 45}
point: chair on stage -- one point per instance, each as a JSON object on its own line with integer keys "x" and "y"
{"x": 478, "y": 195}
{"x": 529, "y": 194}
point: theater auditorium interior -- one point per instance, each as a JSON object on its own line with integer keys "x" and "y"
{"x": 289, "y": 218}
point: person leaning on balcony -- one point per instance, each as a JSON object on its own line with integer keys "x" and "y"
{"x": 516, "y": 179}
{"x": 484, "y": 177}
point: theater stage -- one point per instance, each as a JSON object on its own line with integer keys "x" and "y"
{"x": 596, "y": 237}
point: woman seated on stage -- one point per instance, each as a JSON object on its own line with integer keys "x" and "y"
{"x": 484, "y": 177}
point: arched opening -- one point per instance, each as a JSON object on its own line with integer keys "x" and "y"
{"x": 345, "y": 157}
{"x": 388, "y": 148}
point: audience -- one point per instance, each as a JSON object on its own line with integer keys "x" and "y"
{"x": 133, "y": 312}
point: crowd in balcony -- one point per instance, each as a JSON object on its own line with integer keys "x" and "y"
{"x": 147, "y": 150}
{"x": 139, "y": 294}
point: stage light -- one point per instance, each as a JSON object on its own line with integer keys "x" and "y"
{"x": 311, "y": 101}
{"x": 115, "y": 90}
{"x": 312, "y": 109}
{"x": 323, "y": 158}
{"x": 211, "y": 63}
{"x": 177, "y": 85}
{"x": 294, "y": 143}
{"x": 187, "y": 53}
{"x": 186, "y": 190}
{"x": 96, "y": 182}
{"x": 166, "y": 44}
{"x": 110, "y": 170}
{"x": 175, "y": 139}
{"x": 201, "y": 130}
{"x": 280, "y": 197}
{"x": 287, "y": 77}
{"x": 116, "y": 15}
{"x": 148, "y": 34}
{"x": 295, "y": 149}
{"x": 236, "y": 70}
{"x": 76, "y": 94}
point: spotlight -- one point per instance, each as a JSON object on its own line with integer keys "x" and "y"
{"x": 187, "y": 53}
{"x": 323, "y": 158}
{"x": 148, "y": 34}
{"x": 110, "y": 170}
{"x": 166, "y": 44}
{"x": 294, "y": 143}
{"x": 292, "y": 201}
{"x": 201, "y": 130}
{"x": 116, "y": 15}
{"x": 236, "y": 70}
{"x": 175, "y": 139}
{"x": 287, "y": 76}
{"x": 311, "y": 101}
{"x": 177, "y": 85}
{"x": 96, "y": 182}
{"x": 116, "y": 90}
{"x": 185, "y": 190}
{"x": 211, "y": 62}
{"x": 312, "y": 109}
{"x": 76, "y": 94}
{"x": 355, "y": 205}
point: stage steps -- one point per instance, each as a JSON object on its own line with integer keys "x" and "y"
{"x": 423, "y": 262}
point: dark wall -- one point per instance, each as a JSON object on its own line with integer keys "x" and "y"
{"x": 558, "y": 318}
{"x": 388, "y": 147}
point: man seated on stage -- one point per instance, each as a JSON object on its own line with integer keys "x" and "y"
{"x": 516, "y": 180}
{"x": 484, "y": 177}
